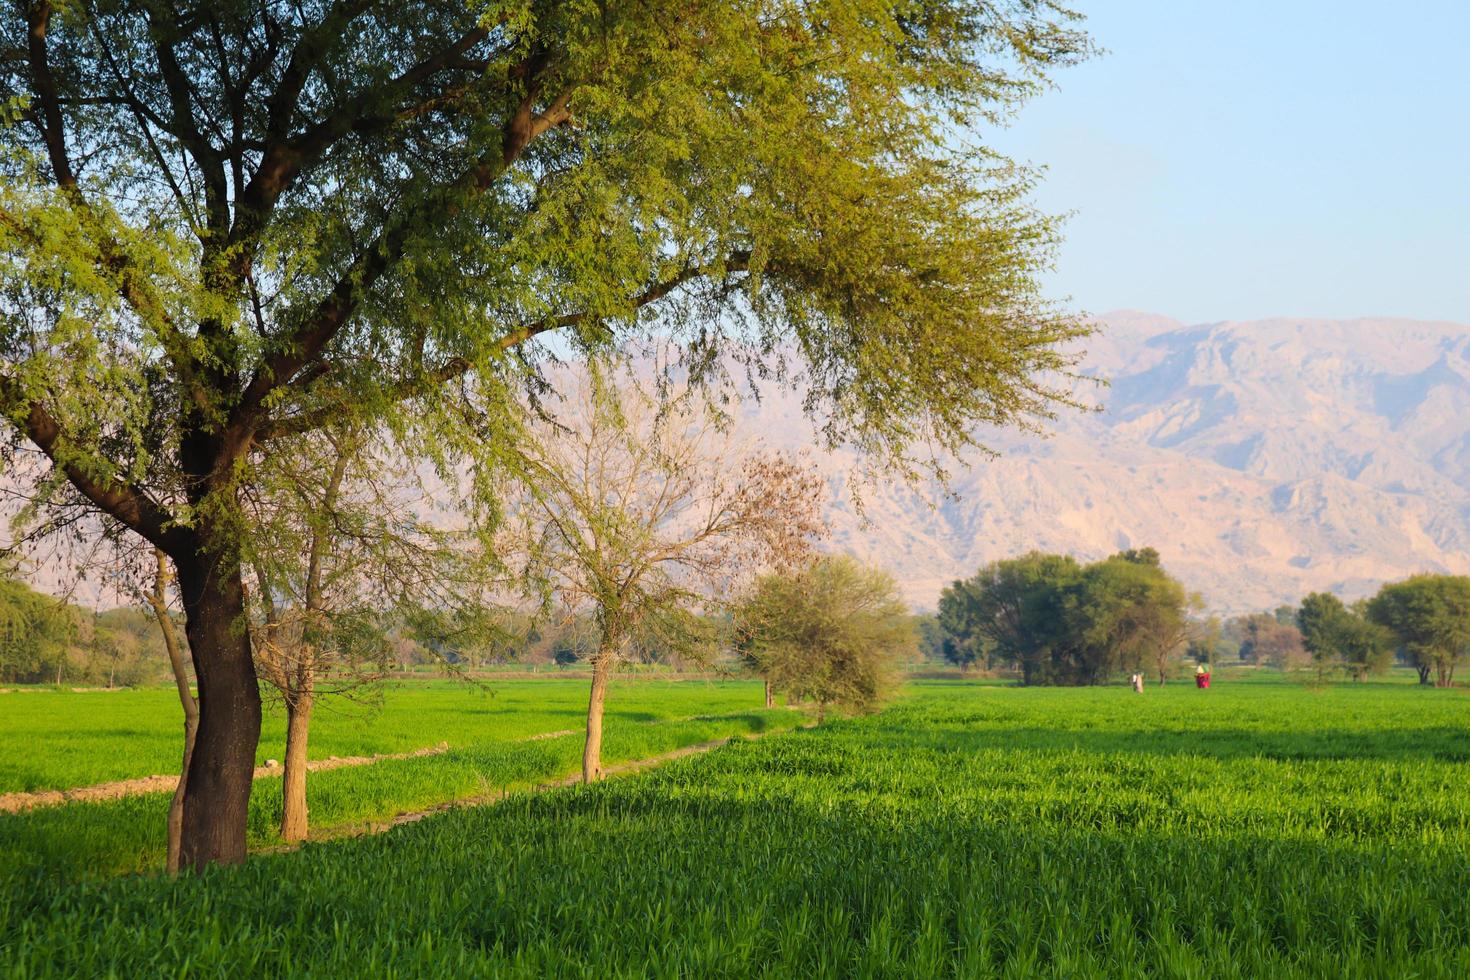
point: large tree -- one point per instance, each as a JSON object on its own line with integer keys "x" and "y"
{"x": 1014, "y": 607}
{"x": 1429, "y": 616}
{"x": 225, "y": 223}
{"x": 1339, "y": 635}
{"x": 1126, "y": 613}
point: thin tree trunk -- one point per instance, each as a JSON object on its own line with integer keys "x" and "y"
{"x": 217, "y": 797}
{"x": 770, "y": 695}
{"x": 592, "y": 751}
{"x": 158, "y": 599}
{"x": 293, "y": 778}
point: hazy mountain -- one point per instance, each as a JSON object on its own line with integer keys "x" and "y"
{"x": 1262, "y": 459}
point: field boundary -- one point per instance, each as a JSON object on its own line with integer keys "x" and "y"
{"x": 21, "y": 801}
{"x": 629, "y": 768}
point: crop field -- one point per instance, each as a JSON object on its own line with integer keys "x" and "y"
{"x": 58, "y": 740}
{"x": 1251, "y": 830}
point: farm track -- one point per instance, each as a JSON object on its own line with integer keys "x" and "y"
{"x": 18, "y": 802}
{"x": 489, "y": 799}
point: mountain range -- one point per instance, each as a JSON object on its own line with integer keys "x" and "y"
{"x": 1263, "y": 460}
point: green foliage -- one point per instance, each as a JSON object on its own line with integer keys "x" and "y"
{"x": 1014, "y": 604}
{"x": 1263, "y": 831}
{"x": 1126, "y": 613}
{"x": 834, "y": 632}
{"x": 1337, "y": 635}
{"x": 1429, "y": 616}
{"x": 1063, "y": 623}
{"x": 35, "y": 633}
{"x": 44, "y": 639}
{"x": 225, "y": 228}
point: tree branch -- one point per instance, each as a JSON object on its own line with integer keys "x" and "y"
{"x": 306, "y": 344}
{"x": 126, "y": 503}
{"x": 456, "y": 367}
{"x": 49, "y": 122}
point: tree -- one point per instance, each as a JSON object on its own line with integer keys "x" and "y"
{"x": 339, "y": 553}
{"x": 641, "y": 512}
{"x": 1125, "y": 612}
{"x": 932, "y": 640}
{"x": 1266, "y": 640}
{"x": 158, "y": 600}
{"x": 35, "y": 632}
{"x": 1336, "y": 634}
{"x": 1429, "y": 616}
{"x": 1014, "y": 606}
{"x": 961, "y": 641}
{"x": 835, "y": 633}
{"x": 1367, "y": 648}
{"x": 1322, "y": 619}
{"x": 224, "y": 224}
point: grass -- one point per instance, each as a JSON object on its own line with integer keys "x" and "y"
{"x": 1252, "y": 830}
{"x": 489, "y": 754}
{"x": 58, "y": 739}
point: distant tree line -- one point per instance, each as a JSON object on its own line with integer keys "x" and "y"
{"x": 46, "y": 640}
{"x": 1059, "y": 621}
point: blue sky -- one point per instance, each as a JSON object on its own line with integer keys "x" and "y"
{"x": 1229, "y": 161}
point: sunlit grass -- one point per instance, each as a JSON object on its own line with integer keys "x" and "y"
{"x": 1252, "y": 830}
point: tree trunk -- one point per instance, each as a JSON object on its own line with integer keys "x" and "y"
{"x": 176, "y": 805}
{"x": 592, "y": 752}
{"x": 1423, "y": 673}
{"x": 770, "y": 695}
{"x": 217, "y": 796}
{"x": 159, "y": 601}
{"x": 293, "y": 779}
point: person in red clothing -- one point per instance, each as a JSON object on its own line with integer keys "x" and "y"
{"x": 1201, "y": 676}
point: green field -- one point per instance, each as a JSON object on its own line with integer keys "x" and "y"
{"x": 1257, "y": 829}
{"x": 61, "y": 739}
{"x": 58, "y": 739}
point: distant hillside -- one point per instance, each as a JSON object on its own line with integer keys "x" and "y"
{"x": 1262, "y": 459}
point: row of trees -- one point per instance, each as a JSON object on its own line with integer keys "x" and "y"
{"x": 1425, "y": 619}
{"x": 46, "y": 640}
{"x": 1062, "y": 622}
{"x": 238, "y": 236}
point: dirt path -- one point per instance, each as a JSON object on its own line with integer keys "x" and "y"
{"x": 16, "y": 802}
{"x": 622, "y": 769}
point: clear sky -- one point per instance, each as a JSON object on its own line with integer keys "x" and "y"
{"x": 1242, "y": 159}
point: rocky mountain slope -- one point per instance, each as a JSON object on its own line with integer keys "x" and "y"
{"x": 1262, "y": 459}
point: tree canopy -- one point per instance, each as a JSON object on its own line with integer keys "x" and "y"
{"x": 833, "y": 633}
{"x": 1061, "y": 622}
{"x": 225, "y": 224}
{"x": 1429, "y": 617}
